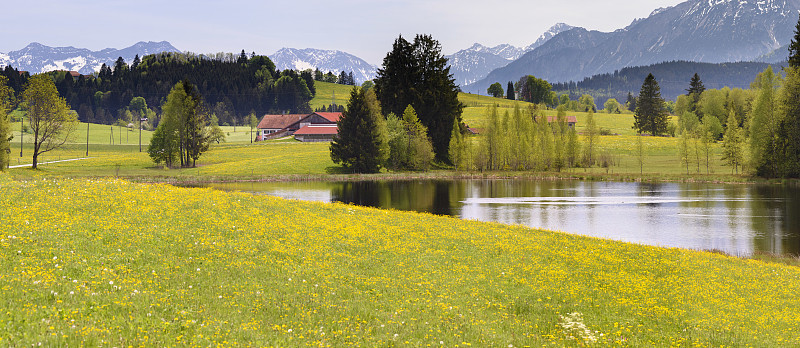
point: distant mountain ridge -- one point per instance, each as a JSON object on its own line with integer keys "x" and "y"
{"x": 38, "y": 58}
{"x": 712, "y": 31}
{"x": 324, "y": 60}
{"x": 474, "y": 63}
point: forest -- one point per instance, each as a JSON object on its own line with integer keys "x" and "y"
{"x": 232, "y": 86}
{"x": 671, "y": 76}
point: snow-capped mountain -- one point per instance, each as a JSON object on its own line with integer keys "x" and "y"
{"x": 37, "y": 58}
{"x": 324, "y": 60}
{"x": 474, "y": 63}
{"x": 547, "y": 35}
{"x": 711, "y": 31}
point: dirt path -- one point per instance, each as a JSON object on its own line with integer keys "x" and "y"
{"x": 40, "y": 163}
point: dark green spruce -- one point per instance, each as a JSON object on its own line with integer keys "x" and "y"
{"x": 417, "y": 74}
{"x": 359, "y": 144}
{"x": 651, "y": 113}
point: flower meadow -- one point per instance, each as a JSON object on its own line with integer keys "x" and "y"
{"x": 113, "y": 263}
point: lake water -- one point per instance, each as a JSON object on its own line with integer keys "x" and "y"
{"x": 737, "y": 219}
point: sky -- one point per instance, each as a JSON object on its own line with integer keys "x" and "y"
{"x": 365, "y": 28}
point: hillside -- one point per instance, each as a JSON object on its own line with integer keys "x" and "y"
{"x": 672, "y": 77}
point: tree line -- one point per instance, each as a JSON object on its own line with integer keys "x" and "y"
{"x": 233, "y": 86}
{"x": 342, "y": 79}
{"x": 671, "y": 77}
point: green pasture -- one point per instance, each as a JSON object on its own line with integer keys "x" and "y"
{"x": 328, "y": 92}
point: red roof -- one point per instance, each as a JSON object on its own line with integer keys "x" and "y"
{"x": 318, "y": 129}
{"x": 279, "y": 121}
{"x": 330, "y": 116}
{"x": 75, "y": 74}
{"x": 569, "y": 119}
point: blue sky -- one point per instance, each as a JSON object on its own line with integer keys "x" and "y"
{"x": 365, "y": 28}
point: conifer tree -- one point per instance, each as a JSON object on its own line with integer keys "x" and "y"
{"x": 651, "y": 114}
{"x": 694, "y": 92}
{"x": 510, "y": 91}
{"x": 417, "y": 74}
{"x": 630, "y": 103}
{"x": 361, "y": 143}
{"x": 794, "y": 47}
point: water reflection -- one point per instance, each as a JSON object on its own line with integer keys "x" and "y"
{"x": 737, "y": 219}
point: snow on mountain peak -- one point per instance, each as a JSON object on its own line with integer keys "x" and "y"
{"x": 38, "y": 58}
{"x": 324, "y": 60}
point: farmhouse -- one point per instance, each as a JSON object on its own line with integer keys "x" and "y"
{"x": 571, "y": 120}
{"x": 276, "y": 126}
{"x": 316, "y": 132}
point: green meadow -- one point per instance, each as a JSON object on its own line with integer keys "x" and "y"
{"x": 239, "y": 159}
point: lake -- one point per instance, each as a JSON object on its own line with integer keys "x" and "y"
{"x": 735, "y": 218}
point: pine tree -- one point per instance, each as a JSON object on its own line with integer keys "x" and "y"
{"x": 630, "y": 103}
{"x": 694, "y": 92}
{"x": 510, "y": 91}
{"x": 136, "y": 62}
{"x": 360, "y": 144}
{"x": 418, "y": 74}
{"x": 651, "y": 114}
{"x": 794, "y": 47}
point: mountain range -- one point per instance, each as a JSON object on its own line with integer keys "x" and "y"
{"x": 325, "y": 61}
{"x": 474, "y": 63}
{"x": 711, "y": 31}
{"x": 38, "y": 58}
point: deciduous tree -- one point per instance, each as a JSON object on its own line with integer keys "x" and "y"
{"x": 764, "y": 123}
{"x": 732, "y": 152}
{"x": 49, "y": 116}
{"x": 5, "y": 122}
{"x": 495, "y": 90}
{"x": 185, "y": 131}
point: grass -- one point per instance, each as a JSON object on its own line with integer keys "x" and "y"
{"x": 325, "y": 94}
{"x": 238, "y": 159}
{"x": 128, "y": 264}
